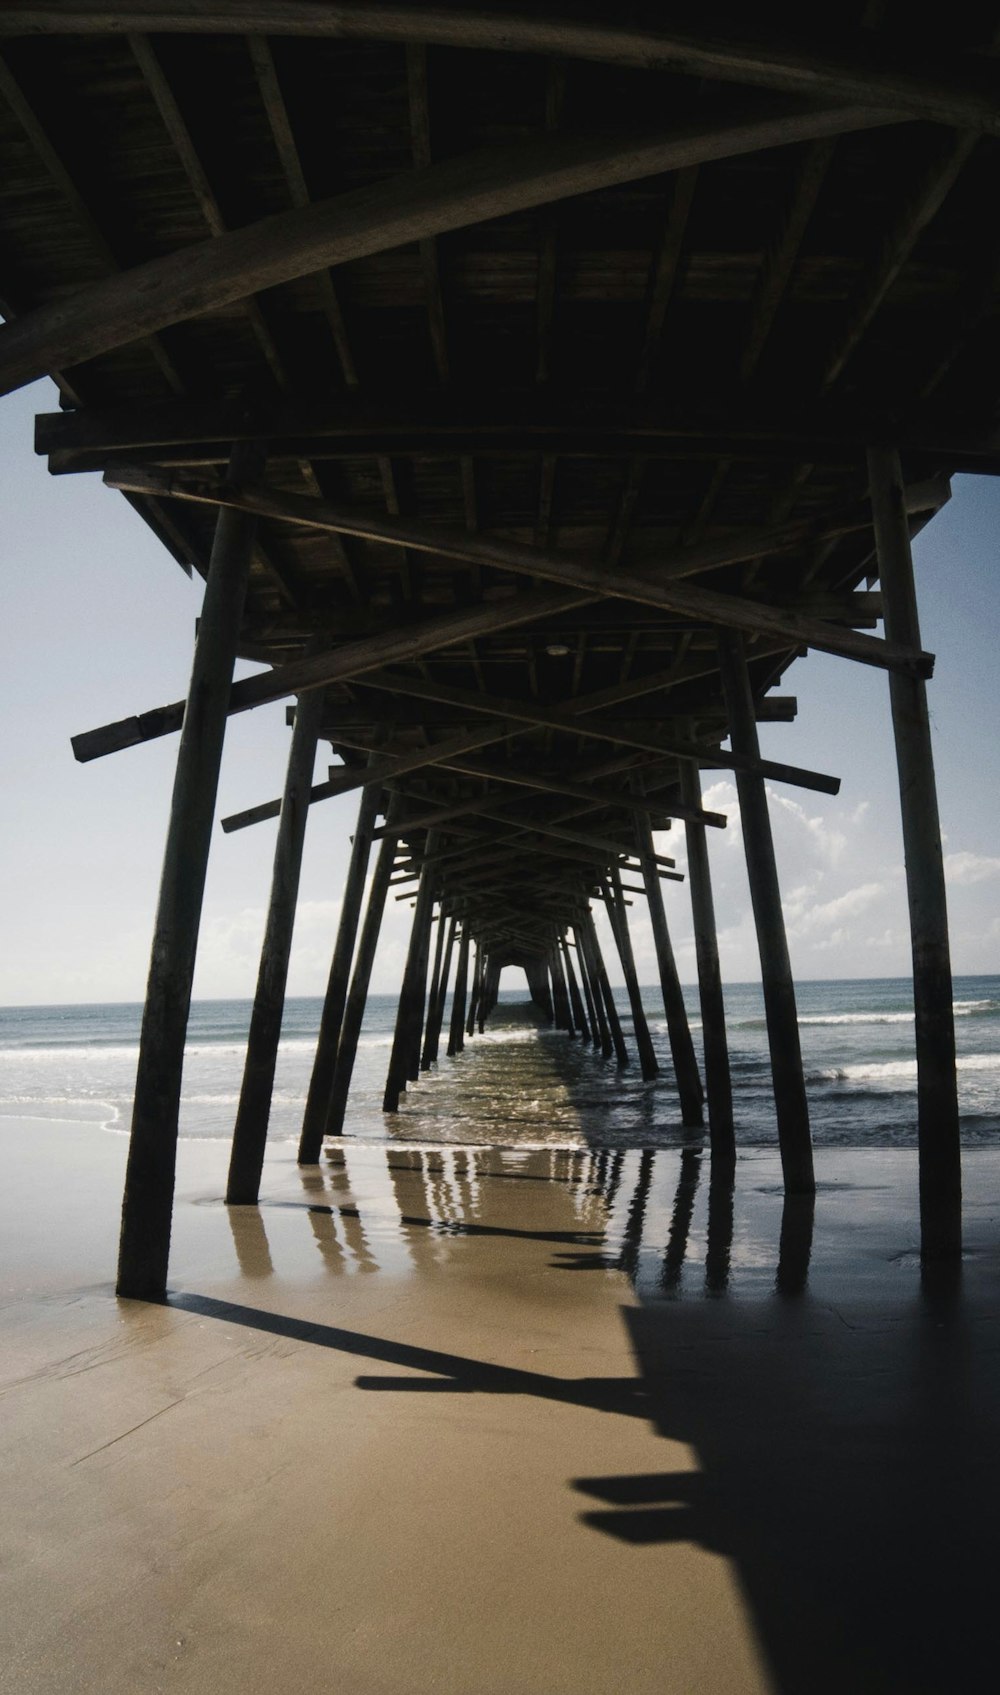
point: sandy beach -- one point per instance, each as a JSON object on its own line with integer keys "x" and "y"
{"x": 394, "y": 1435}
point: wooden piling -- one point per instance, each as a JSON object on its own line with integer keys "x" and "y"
{"x": 435, "y": 1016}
{"x": 575, "y": 998}
{"x": 594, "y": 1011}
{"x": 560, "y": 994}
{"x": 246, "y": 1160}
{"x": 149, "y": 1180}
{"x": 765, "y": 896}
{"x": 937, "y": 1085}
{"x": 410, "y": 1011}
{"x": 456, "y": 1033}
{"x": 689, "y": 1089}
{"x": 324, "y": 1064}
{"x": 357, "y": 994}
{"x": 619, "y": 925}
{"x": 718, "y": 1083}
{"x": 470, "y": 1023}
{"x": 434, "y": 990}
{"x": 600, "y": 975}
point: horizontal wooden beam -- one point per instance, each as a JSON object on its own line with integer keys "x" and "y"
{"x": 933, "y": 82}
{"x": 336, "y": 665}
{"x": 574, "y": 719}
{"x": 379, "y": 770}
{"x": 472, "y": 189}
{"x": 658, "y": 585}
{"x": 199, "y": 433}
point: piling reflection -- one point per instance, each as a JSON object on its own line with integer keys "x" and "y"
{"x": 250, "y": 1241}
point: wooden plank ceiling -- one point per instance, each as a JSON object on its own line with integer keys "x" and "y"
{"x": 556, "y": 450}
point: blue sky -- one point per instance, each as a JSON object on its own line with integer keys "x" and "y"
{"x": 99, "y": 623}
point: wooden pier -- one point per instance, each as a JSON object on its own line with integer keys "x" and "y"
{"x": 531, "y": 386}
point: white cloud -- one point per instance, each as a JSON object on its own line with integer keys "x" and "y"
{"x": 967, "y": 868}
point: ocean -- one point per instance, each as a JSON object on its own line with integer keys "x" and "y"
{"x": 521, "y": 1083}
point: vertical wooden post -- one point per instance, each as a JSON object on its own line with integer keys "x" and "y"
{"x": 410, "y": 1012}
{"x": 575, "y": 1000}
{"x": 779, "y": 989}
{"x": 420, "y": 999}
{"x": 595, "y": 1005}
{"x": 435, "y": 985}
{"x": 689, "y": 1087}
{"x": 470, "y": 1023}
{"x": 937, "y": 1086}
{"x": 149, "y": 1181}
{"x": 357, "y": 995}
{"x": 718, "y": 1084}
{"x": 435, "y": 1017}
{"x": 321, "y": 1081}
{"x": 250, "y": 1132}
{"x": 619, "y": 926}
{"x": 456, "y": 1032}
{"x": 600, "y": 978}
{"x": 560, "y": 995}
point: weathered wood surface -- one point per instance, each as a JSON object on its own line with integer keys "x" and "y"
{"x": 246, "y": 1161}
{"x": 718, "y": 1082}
{"x": 149, "y": 1180}
{"x": 937, "y": 1079}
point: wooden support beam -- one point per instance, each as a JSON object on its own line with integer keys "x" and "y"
{"x": 574, "y": 718}
{"x": 600, "y": 977}
{"x": 477, "y": 970}
{"x": 149, "y": 1181}
{"x": 410, "y": 1012}
{"x": 619, "y": 925}
{"x": 937, "y": 1084}
{"x": 456, "y": 1033}
{"x": 925, "y": 79}
{"x": 718, "y": 1085}
{"x": 435, "y": 1015}
{"x": 580, "y": 1018}
{"x": 374, "y": 219}
{"x": 357, "y": 995}
{"x": 765, "y": 895}
{"x": 592, "y": 993}
{"x": 379, "y": 770}
{"x": 195, "y": 435}
{"x": 560, "y": 994}
{"x": 689, "y": 1086}
{"x": 246, "y": 1161}
{"x": 335, "y": 999}
{"x": 657, "y": 585}
{"x": 337, "y": 665}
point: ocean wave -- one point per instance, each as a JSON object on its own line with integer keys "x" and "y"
{"x": 901, "y": 1070}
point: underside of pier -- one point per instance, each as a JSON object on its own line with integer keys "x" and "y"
{"x": 531, "y": 385}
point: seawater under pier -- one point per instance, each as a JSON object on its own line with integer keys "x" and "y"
{"x": 531, "y": 387}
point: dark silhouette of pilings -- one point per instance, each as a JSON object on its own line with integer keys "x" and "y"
{"x": 619, "y": 926}
{"x": 435, "y": 1012}
{"x": 410, "y": 1011}
{"x": 147, "y": 1205}
{"x": 765, "y": 895}
{"x": 357, "y": 994}
{"x": 246, "y": 1160}
{"x": 937, "y": 1085}
{"x": 335, "y": 1000}
{"x": 575, "y": 998}
{"x": 592, "y": 991}
{"x": 599, "y": 976}
{"x": 718, "y": 1082}
{"x": 456, "y": 1032}
{"x": 689, "y": 1089}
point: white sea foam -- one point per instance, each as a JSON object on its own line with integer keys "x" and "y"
{"x": 902, "y": 1070}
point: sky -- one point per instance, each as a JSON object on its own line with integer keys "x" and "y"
{"x": 99, "y": 623}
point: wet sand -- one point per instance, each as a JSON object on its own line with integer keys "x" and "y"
{"x": 542, "y": 1422}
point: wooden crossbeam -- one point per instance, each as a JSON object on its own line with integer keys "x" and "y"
{"x": 198, "y": 433}
{"x": 337, "y": 664}
{"x": 651, "y": 586}
{"x": 446, "y": 196}
{"x": 574, "y": 719}
{"x": 875, "y": 66}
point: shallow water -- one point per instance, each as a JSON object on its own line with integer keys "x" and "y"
{"x": 522, "y": 1083}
